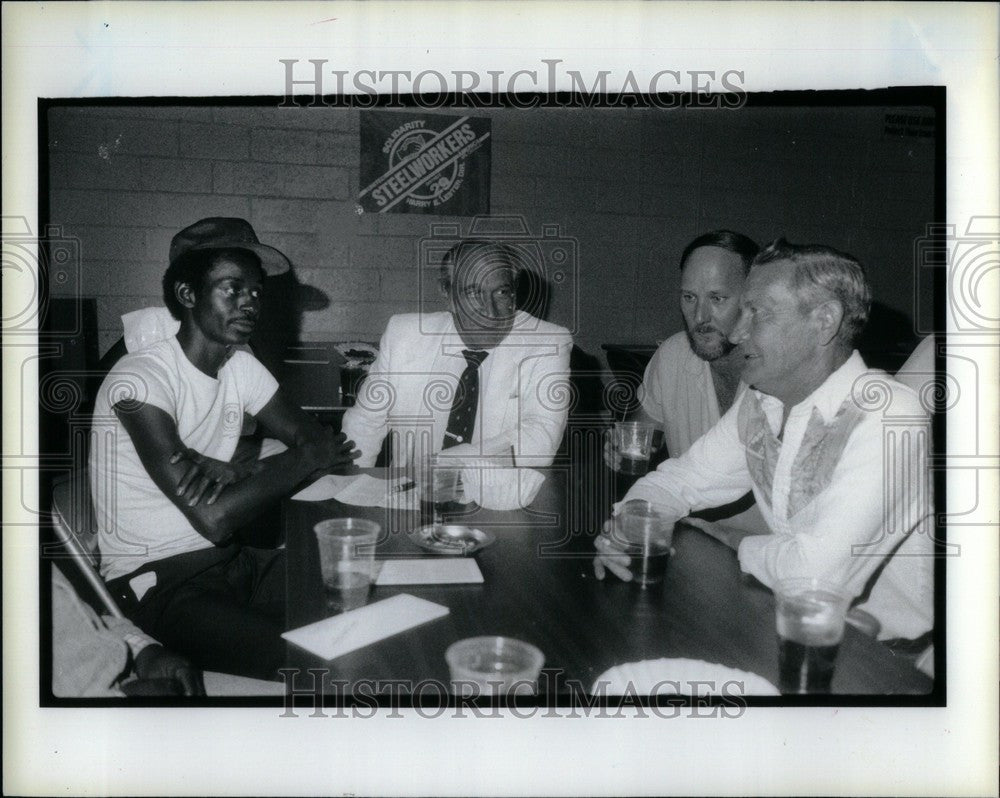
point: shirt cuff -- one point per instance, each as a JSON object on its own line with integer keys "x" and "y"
{"x": 643, "y": 490}
{"x": 750, "y": 555}
{"x": 131, "y": 634}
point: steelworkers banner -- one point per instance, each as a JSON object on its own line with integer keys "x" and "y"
{"x": 424, "y": 163}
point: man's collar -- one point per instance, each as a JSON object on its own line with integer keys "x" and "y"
{"x": 523, "y": 322}
{"x": 829, "y": 396}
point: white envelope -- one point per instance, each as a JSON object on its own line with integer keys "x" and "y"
{"x": 341, "y": 634}
{"x": 426, "y": 571}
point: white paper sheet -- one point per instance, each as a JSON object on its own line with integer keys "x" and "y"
{"x": 326, "y": 487}
{"x": 362, "y": 490}
{"x": 369, "y": 491}
{"x": 230, "y": 685}
{"x": 341, "y": 634}
{"x": 426, "y": 571}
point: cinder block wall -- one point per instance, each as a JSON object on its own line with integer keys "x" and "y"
{"x": 632, "y": 187}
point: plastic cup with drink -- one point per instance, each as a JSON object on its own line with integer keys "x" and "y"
{"x": 347, "y": 559}
{"x": 809, "y": 614}
{"x": 645, "y": 535}
{"x": 633, "y": 443}
{"x": 440, "y": 490}
{"x": 494, "y": 665}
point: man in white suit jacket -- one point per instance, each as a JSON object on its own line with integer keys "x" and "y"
{"x": 524, "y": 386}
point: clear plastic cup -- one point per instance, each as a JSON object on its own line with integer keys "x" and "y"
{"x": 494, "y": 666}
{"x": 809, "y": 615}
{"x": 346, "y": 559}
{"x": 634, "y": 445}
{"x": 645, "y": 535}
{"x": 440, "y": 490}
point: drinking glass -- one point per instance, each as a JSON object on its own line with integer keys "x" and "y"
{"x": 495, "y": 665}
{"x": 346, "y": 559}
{"x": 633, "y": 442}
{"x": 809, "y": 615}
{"x": 645, "y": 535}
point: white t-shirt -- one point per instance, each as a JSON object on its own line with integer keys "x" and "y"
{"x": 137, "y": 523}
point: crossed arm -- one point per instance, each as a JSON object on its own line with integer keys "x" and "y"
{"x": 246, "y": 490}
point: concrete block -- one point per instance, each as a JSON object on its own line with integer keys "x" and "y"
{"x": 142, "y": 136}
{"x": 109, "y": 243}
{"x": 280, "y": 180}
{"x": 219, "y": 142}
{"x": 89, "y": 171}
{"x": 284, "y": 146}
{"x": 341, "y": 120}
{"x": 70, "y": 131}
{"x": 68, "y": 206}
{"x": 173, "y": 174}
{"x": 342, "y": 285}
{"x": 565, "y": 194}
{"x": 668, "y": 200}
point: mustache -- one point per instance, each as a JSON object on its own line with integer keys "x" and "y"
{"x": 706, "y": 328}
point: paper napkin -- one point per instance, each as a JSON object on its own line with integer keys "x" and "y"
{"x": 326, "y": 487}
{"x": 341, "y": 634}
{"x": 369, "y": 491}
{"x": 361, "y": 490}
{"x": 437, "y": 571}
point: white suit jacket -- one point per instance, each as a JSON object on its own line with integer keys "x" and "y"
{"x": 524, "y": 391}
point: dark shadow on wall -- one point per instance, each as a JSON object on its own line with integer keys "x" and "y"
{"x": 888, "y": 338}
{"x": 280, "y": 326}
{"x": 534, "y": 294}
{"x": 588, "y": 386}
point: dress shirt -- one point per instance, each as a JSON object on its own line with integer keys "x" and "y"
{"x": 845, "y": 490}
{"x": 523, "y": 389}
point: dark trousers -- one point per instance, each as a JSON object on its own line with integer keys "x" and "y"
{"x": 223, "y": 608}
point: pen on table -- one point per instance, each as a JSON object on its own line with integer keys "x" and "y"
{"x": 513, "y": 460}
{"x": 405, "y": 486}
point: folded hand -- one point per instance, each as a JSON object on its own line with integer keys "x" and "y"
{"x": 205, "y": 472}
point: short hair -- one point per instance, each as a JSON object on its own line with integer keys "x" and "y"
{"x": 193, "y": 265}
{"x": 737, "y": 243}
{"x": 479, "y": 249}
{"x": 821, "y": 273}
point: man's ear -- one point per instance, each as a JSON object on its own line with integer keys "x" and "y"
{"x": 444, "y": 286}
{"x": 184, "y": 294}
{"x": 829, "y": 316}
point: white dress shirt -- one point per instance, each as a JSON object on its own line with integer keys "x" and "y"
{"x": 524, "y": 391}
{"x": 845, "y": 491}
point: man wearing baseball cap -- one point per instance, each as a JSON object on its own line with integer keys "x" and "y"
{"x": 175, "y": 504}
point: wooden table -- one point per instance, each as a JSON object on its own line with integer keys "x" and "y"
{"x": 540, "y": 587}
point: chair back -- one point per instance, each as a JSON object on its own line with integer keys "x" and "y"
{"x": 75, "y": 525}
